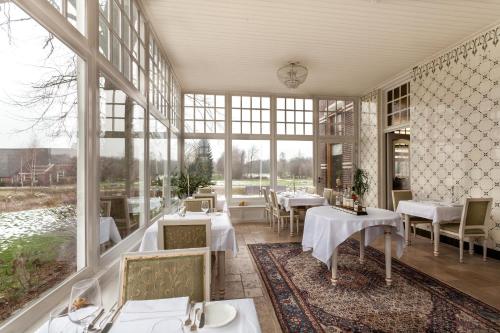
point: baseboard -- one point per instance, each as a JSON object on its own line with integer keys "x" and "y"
{"x": 491, "y": 253}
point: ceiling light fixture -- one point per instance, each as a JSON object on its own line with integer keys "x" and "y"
{"x": 292, "y": 75}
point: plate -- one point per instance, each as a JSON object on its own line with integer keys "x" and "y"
{"x": 219, "y": 314}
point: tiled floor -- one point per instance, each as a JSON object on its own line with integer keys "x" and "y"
{"x": 475, "y": 277}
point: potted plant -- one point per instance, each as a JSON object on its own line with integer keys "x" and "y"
{"x": 360, "y": 183}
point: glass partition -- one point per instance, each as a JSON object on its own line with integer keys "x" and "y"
{"x": 250, "y": 168}
{"x": 295, "y": 165}
{"x": 158, "y": 164}
{"x": 121, "y": 164}
{"x": 42, "y": 222}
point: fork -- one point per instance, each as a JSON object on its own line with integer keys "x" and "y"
{"x": 188, "y": 320}
{"x": 194, "y": 327}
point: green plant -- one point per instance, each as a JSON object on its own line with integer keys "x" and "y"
{"x": 180, "y": 182}
{"x": 360, "y": 182}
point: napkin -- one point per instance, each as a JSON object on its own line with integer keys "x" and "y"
{"x": 143, "y": 310}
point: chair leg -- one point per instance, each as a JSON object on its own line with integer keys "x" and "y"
{"x": 461, "y": 250}
{"x": 485, "y": 249}
{"x": 471, "y": 245}
{"x": 414, "y": 231}
{"x": 432, "y": 234}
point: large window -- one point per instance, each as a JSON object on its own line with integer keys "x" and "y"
{"x": 73, "y": 11}
{"x": 295, "y": 165}
{"x": 121, "y": 164}
{"x": 174, "y": 168}
{"x": 122, "y": 35}
{"x": 294, "y": 116}
{"x": 204, "y": 160}
{"x": 204, "y": 113}
{"x": 398, "y": 105}
{"x": 41, "y": 159}
{"x": 336, "y": 117}
{"x": 158, "y": 164}
{"x": 336, "y": 164}
{"x": 250, "y": 167}
{"x": 251, "y": 115}
{"x": 159, "y": 78}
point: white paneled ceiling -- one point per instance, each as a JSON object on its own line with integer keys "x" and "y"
{"x": 349, "y": 46}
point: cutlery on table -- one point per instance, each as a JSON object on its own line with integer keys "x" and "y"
{"x": 194, "y": 327}
{"x": 188, "y": 320}
{"x": 94, "y": 321}
{"x": 202, "y": 316}
{"x": 110, "y": 323}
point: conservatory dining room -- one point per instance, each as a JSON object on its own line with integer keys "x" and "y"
{"x": 249, "y": 166}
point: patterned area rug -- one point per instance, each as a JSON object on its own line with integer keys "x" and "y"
{"x": 305, "y": 300}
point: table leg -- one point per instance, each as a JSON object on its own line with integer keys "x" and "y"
{"x": 291, "y": 221}
{"x": 388, "y": 266}
{"x": 334, "y": 267}
{"x": 436, "y": 238}
{"x": 407, "y": 229}
{"x": 362, "y": 246}
{"x": 221, "y": 272}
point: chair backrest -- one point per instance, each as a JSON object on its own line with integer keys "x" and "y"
{"x": 209, "y": 196}
{"x": 327, "y": 194}
{"x": 119, "y": 209}
{"x": 475, "y": 214}
{"x": 274, "y": 199}
{"x": 398, "y": 195}
{"x": 184, "y": 234}
{"x": 105, "y": 208}
{"x": 194, "y": 205}
{"x": 165, "y": 274}
{"x": 205, "y": 190}
{"x": 266, "y": 196}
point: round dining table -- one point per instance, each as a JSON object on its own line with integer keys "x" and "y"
{"x": 327, "y": 227}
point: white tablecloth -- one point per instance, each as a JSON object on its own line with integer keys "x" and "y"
{"x": 135, "y": 319}
{"x": 109, "y": 231}
{"x": 288, "y": 200}
{"x": 326, "y": 228}
{"x": 134, "y": 204}
{"x": 432, "y": 210}
{"x": 246, "y": 320}
{"x": 223, "y": 236}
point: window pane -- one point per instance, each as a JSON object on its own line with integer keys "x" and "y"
{"x": 251, "y": 114}
{"x": 205, "y": 164}
{"x": 336, "y": 161}
{"x": 207, "y": 109}
{"x": 297, "y": 112}
{"x": 121, "y": 165}
{"x": 174, "y": 167}
{"x": 158, "y": 163}
{"x": 250, "y": 167}
{"x": 41, "y": 161}
{"x": 337, "y": 117}
{"x": 295, "y": 165}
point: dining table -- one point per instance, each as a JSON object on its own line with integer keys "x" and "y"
{"x": 327, "y": 227}
{"x": 437, "y": 211}
{"x": 144, "y": 315}
{"x": 223, "y": 238}
{"x": 108, "y": 231}
{"x": 290, "y": 201}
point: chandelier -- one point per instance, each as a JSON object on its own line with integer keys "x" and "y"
{"x": 292, "y": 75}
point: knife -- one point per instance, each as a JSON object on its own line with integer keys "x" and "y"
{"x": 110, "y": 323}
{"x": 94, "y": 321}
{"x": 202, "y": 316}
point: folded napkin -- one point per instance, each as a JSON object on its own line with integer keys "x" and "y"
{"x": 143, "y": 310}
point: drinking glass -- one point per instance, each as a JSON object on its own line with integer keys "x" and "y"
{"x": 205, "y": 206}
{"x": 59, "y": 321}
{"x": 85, "y": 302}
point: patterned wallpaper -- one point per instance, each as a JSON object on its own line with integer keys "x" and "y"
{"x": 368, "y": 145}
{"x": 455, "y": 132}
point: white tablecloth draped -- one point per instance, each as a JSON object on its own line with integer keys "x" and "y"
{"x": 109, "y": 231}
{"x": 326, "y": 228}
{"x": 223, "y": 235}
{"x": 432, "y": 210}
{"x": 288, "y": 200}
{"x": 138, "y": 318}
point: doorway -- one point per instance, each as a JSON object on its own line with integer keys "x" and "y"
{"x": 398, "y": 163}
{"x": 336, "y": 166}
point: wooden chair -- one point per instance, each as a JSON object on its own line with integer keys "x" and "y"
{"x": 210, "y": 196}
{"x": 120, "y": 213}
{"x": 268, "y": 210}
{"x": 206, "y": 190}
{"x": 280, "y": 214}
{"x": 105, "y": 208}
{"x": 165, "y": 274}
{"x": 327, "y": 194}
{"x": 473, "y": 224}
{"x": 184, "y": 234}
{"x": 194, "y": 205}
{"x": 397, "y": 196}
